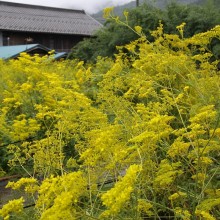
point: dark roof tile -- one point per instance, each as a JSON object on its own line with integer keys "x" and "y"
{"x": 34, "y": 18}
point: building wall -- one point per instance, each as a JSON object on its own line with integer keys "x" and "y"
{"x": 60, "y": 43}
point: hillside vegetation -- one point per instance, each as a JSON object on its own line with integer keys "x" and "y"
{"x": 118, "y": 10}
{"x": 198, "y": 18}
{"x": 135, "y": 137}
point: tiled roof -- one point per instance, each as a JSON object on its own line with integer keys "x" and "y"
{"x": 32, "y": 18}
{"x": 10, "y": 52}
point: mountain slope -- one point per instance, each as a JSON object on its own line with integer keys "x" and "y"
{"x": 118, "y": 10}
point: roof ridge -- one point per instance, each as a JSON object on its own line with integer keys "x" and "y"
{"x": 94, "y": 19}
{"x": 18, "y": 45}
{"x": 36, "y": 15}
{"x": 40, "y": 7}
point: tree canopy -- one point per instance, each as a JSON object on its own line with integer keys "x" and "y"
{"x": 198, "y": 18}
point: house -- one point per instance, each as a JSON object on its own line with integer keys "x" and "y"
{"x": 56, "y": 28}
{"x": 13, "y": 52}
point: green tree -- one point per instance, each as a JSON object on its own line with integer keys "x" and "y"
{"x": 113, "y": 33}
{"x": 198, "y": 18}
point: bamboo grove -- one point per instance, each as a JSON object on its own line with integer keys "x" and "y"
{"x": 135, "y": 137}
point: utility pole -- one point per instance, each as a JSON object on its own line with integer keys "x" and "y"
{"x": 137, "y": 3}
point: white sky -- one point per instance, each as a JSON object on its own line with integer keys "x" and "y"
{"x": 90, "y": 6}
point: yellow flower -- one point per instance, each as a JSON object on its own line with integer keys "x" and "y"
{"x": 177, "y": 195}
{"x": 182, "y": 213}
{"x": 180, "y": 28}
{"x": 138, "y": 29}
{"x": 205, "y": 215}
{"x": 107, "y": 12}
{"x": 144, "y": 207}
{"x": 116, "y": 197}
{"x": 13, "y": 206}
{"x": 126, "y": 14}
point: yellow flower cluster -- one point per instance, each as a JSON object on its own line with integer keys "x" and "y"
{"x": 13, "y": 206}
{"x": 29, "y": 184}
{"x": 182, "y": 214}
{"x": 167, "y": 173}
{"x": 116, "y": 198}
{"x": 149, "y": 120}
{"x": 177, "y": 195}
{"x": 107, "y": 12}
{"x": 59, "y": 197}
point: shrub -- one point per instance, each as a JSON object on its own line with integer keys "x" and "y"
{"x": 142, "y": 141}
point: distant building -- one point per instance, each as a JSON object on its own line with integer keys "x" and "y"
{"x": 56, "y": 28}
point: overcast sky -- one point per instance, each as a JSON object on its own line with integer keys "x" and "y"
{"x": 90, "y": 6}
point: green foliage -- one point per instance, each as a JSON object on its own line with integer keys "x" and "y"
{"x": 198, "y": 18}
{"x": 115, "y": 34}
